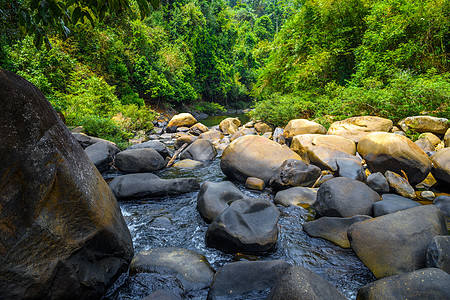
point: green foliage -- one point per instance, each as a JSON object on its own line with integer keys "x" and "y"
{"x": 210, "y": 108}
{"x": 105, "y": 128}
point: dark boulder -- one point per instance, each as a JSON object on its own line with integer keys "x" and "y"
{"x": 148, "y": 185}
{"x": 299, "y": 283}
{"x": 351, "y": 168}
{"x": 293, "y": 172}
{"x": 443, "y": 203}
{"x": 102, "y": 155}
{"x": 438, "y": 253}
{"x": 441, "y": 165}
{"x": 248, "y": 225}
{"x": 344, "y": 197}
{"x": 397, "y": 243}
{"x": 237, "y": 278}
{"x": 215, "y": 197}
{"x": 378, "y": 183}
{"x": 200, "y": 150}
{"x": 430, "y": 284}
{"x": 391, "y": 203}
{"x": 162, "y": 295}
{"x": 157, "y": 145}
{"x": 62, "y": 234}
{"x": 139, "y": 161}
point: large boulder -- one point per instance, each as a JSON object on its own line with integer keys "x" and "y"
{"x": 242, "y": 132}
{"x": 299, "y": 283}
{"x": 62, "y": 234}
{"x": 237, "y": 278}
{"x": 387, "y": 151}
{"x": 139, "y": 160}
{"x": 254, "y": 156}
{"x": 397, "y": 243}
{"x": 215, "y": 197}
{"x": 351, "y": 167}
{"x": 425, "y": 124}
{"x": 438, "y": 253}
{"x": 198, "y": 129}
{"x": 302, "y": 126}
{"x": 344, "y": 197}
{"x": 157, "y": 145}
{"x": 301, "y": 196}
{"x": 441, "y": 165}
{"x": 247, "y": 225}
{"x": 190, "y": 268}
{"x": 229, "y": 125}
{"x": 293, "y": 172}
{"x": 148, "y": 185}
{"x": 212, "y": 136}
{"x": 102, "y": 155}
{"x": 391, "y": 203}
{"x": 356, "y": 128}
{"x": 333, "y": 229}
{"x": 200, "y": 150}
{"x": 182, "y": 120}
{"x": 430, "y": 283}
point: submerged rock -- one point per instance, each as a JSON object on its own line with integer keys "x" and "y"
{"x": 62, "y": 234}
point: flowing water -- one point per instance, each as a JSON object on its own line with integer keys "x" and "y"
{"x": 173, "y": 221}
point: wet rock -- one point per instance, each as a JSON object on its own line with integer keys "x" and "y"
{"x": 441, "y": 165}
{"x": 302, "y": 126}
{"x": 358, "y": 127}
{"x": 399, "y": 185}
{"x": 237, "y": 278}
{"x": 387, "y": 151}
{"x": 344, "y": 197}
{"x": 229, "y": 125}
{"x": 139, "y": 160}
{"x": 333, "y": 229}
{"x": 181, "y": 120}
{"x": 212, "y": 136}
{"x": 215, "y": 197}
{"x": 162, "y": 295}
{"x": 378, "y": 183}
{"x": 188, "y": 164}
{"x": 425, "y": 124}
{"x": 184, "y": 139}
{"x": 438, "y": 253}
{"x": 102, "y": 155}
{"x": 443, "y": 203}
{"x": 254, "y": 156}
{"x": 351, "y": 168}
{"x": 301, "y": 196}
{"x": 254, "y": 183}
{"x": 391, "y": 203}
{"x": 248, "y": 225}
{"x": 63, "y": 235}
{"x": 198, "y": 129}
{"x": 182, "y": 129}
{"x": 425, "y": 145}
{"x": 300, "y": 283}
{"x": 171, "y": 129}
{"x": 427, "y": 195}
{"x": 428, "y": 283}
{"x": 294, "y": 172}
{"x": 189, "y": 267}
{"x": 157, "y": 145}
{"x": 148, "y": 185}
{"x": 396, "y": 243}
{"x": 262, "y": 128}
{"x": 200, "y": 150}
{"x": 431, "y": 137}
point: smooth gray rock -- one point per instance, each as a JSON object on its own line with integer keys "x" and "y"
{"x": 237, "y": 278}
{"x": 299, "y": 283}
{"x": 397, "y": 243}
{"x": 148, "y": 185}
{"x": 157, "y": 145}
{"x": 350, "y": 168}
{"x": 438, "y": 253}
{"x": 215, "y": 197}
{"x": 378, "y": 183}
{"x": 301, "y": 196}
{"x": 443, "y": 203}
{"x": 139, "y": 161}
{"x": 293, "y": 172}
{"x": 391, "y": 203}
{"x": 102, "y": 155}
{"x": 162, "y": 295}
{"x": 430, "y": 284}
{"x": 344, "y": 197}
{"x": 190, "y": 268}
{"x": 200, "y": 150}
{"x": 247, "y": 225}
{"x": 333, "y": 229}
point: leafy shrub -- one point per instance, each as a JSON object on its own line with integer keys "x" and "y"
{"x": 105, "y": 128}
{"x": 136, "y": 118}
{"x": 209, "y": 108}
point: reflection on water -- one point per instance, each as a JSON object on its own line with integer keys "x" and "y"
{"x": 173, "y": 221}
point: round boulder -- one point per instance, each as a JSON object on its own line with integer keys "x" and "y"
{"x": 391, "y": 203}
{"x": 200, "y": 150}
{"x": 254, "y": 156}
{"x": 198, "y": 129}
{"x": 425, "y": 124}
{"x": 295, "y": 173}
{"x": 188, "y": 164}
{"x": 356, "y": 128}
{"x": 229, "y": 125}
{"x": 248, "y": 225}
{"x": 344, "y": 197}
{"x": 182, "y": 120}
{"x": 215, "y": 197}
{"x": 262, "y": 128}
{"x": 302, "y": 126}
{"x": 139, "y": 161}
{"x": 102, "y": 155}
{"x": 301, "y": 196}
{"x": 350, "y": 167}
{"x": 438, "y": 253}
{"x": 157, "y": 145}
{"x": 184, "y": 139}
{"x": 378, "y": 183}
{"x": 384, "y": 151}
{"x": 441, "y": 165}
{"x": 212, "y": 136}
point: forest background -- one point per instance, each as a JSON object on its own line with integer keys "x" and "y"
{"x": 104, "y": 64}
